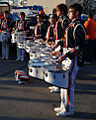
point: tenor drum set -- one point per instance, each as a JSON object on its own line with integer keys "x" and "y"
{"x": 43, "y": 66}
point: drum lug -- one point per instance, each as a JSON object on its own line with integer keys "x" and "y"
{"x": 31, "y": 70}
{"x": 46, "y": 74}
{"x": 37, "y": 71}
{"x": 63, "y": 76}
{"x": 54, "y": 76}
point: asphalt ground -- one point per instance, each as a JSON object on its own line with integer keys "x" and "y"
{"x": 33, "y": 101}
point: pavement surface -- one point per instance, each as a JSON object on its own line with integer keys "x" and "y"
{"x": 33, "y": 101}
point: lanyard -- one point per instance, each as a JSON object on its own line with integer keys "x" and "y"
{"x": 4, "y": 21}
{"x": 21, "y": 22}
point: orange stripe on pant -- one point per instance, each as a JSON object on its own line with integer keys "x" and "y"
{"x": 68, "y": 90}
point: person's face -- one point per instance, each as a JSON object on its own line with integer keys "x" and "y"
{"x": 39, "y": 19}
{"x": 58, "y": 12}
{"x": 51, "y": 19}
{"x": 72, "y": 14}
{"x": 5, "y": 15}
{"x": 21, "y": 16}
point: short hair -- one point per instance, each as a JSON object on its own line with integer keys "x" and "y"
{"x": 63, "y": 7}
{"x": 22, "y": 13}
{"x": 54, "y": 16}
{"x": 6, "y": 12}
{"x": 54, "y": 11}
{"x": 90, "y": 15}
{"x": 41, "y": 16}
{"x": 76, "y": 7}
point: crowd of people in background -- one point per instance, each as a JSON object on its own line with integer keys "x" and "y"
{"x": 63, "y": 28}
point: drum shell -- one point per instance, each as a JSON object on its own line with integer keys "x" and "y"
{"x": 57, "y": 78}
{"x": 37, "y": 71}
{"x": 2, "y": 37}
{"x": 20, "y": 37}
{"x": 20, "y": 45}
{"x": 27, "y": 48}
{"x": 33, "y": 55}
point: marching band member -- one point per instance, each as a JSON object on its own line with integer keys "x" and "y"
{"x": 40, "y": 28}
{"x": 73, "y": 39}
{"x": 61, "y": 24}
{"x": 21, "y": 27}
{"x": 50, "y": 38}
{"x": 6, "y": 25}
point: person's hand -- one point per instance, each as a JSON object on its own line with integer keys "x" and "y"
{"x": 61, "y": 58}
{"x": 54, "y": 46}
{"x": 8, "y": 30}
{"x": 30, "y": 37}
{"x": 53, "y": 53}
{"x": 13, "y": 32}
{"x": 50, "y": 43}
{"x": 41, "y": 40}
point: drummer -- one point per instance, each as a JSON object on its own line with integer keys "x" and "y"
{"x": 21, "y": 27}
{"x": 72, "y": 44}
{"x": 50, "y": 38}
{"x": 40, "y": 28}
{"x": 61, "y": 24}
{"x": 6, "y": 25}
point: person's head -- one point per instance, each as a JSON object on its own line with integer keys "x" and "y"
{"x": 22, "y": 15}
{"x": 42, "y": 12}
{"x": 53, "y": 18}
{"x": 75, "y": 11}
{"x": 54, "y": 11}
{"x": 61, "y": 9}
{"x": 90, "y": 15}
{"x": 6, "y": 13}
{"x": 40, "y": 17}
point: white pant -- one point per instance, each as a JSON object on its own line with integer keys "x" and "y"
{"x": 20, "y": 53}
{"x": 67, "y": 95}
{"x": 5, "y": 49}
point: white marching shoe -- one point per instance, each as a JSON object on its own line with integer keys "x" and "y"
{"x": 55, "y": 90}
{"x": 51, "y": 87}
{"x": 58, "y": 109}
{"x": 62, "y": 113}
{"x": 17, "y": 59}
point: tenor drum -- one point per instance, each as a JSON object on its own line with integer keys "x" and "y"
{"x": 37, "y": 70}
{"x": 2, "y": 37}
{"x": 33, "y": 55}
{"x": 20, "y": 45}
{"x": 20, "y": 36}
{"x": 56, "y": 77}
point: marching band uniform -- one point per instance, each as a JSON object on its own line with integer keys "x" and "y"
{"x": 73, "y": 39}
{"x": 40, "y": 30}
{"x": 60, "y": 27}
{"x": 59, "y": 30}
{"x": 22, "y": 26}
{"x": 50, "y": 33}
{"x": 6, "y": 25}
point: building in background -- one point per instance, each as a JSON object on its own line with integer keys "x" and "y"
{"x": 48, "y": 5}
